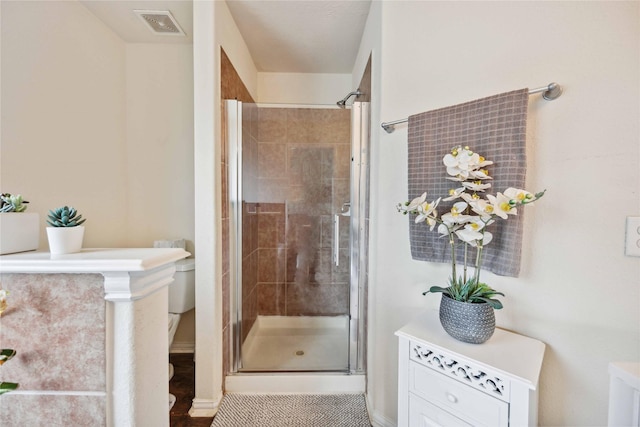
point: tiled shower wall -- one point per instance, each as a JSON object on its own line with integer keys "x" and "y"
{"x": 302, "y": 179}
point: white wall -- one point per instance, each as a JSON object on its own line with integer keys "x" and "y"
{"x": 160, "y": 188}
{"x": 303, "y": 88}
{"x": 577, "y": 291}
{"x": 99, "y": 124}
{"x": 159, "y": 105}
{"x": 377, "y": 392}
{"x": 213, "y": 27}
{"x": 63, "y": 121}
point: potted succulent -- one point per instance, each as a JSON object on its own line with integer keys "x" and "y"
{"x": 467, "y": 305}
{"x": 65, "y": 231}
{"x": 19, "y": 230}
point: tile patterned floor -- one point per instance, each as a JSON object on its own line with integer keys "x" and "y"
{"x": 182, "y": 386}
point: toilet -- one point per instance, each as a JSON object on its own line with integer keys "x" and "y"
{"x": 182, "y": 298}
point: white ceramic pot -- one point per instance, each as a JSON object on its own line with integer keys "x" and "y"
{"x": 65, "y": 240}
{"x": 19, "y": 232}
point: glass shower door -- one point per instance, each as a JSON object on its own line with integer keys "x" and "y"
{"x": 292, "y": 227}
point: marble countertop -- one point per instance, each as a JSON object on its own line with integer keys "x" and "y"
{"x": 91, "y": 260}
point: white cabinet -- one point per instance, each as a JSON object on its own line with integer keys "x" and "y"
{"x": 624, "y": 394}
{"x": 445, "y": 382}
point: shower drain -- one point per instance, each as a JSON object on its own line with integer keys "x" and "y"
{"x": 299, "y": 353}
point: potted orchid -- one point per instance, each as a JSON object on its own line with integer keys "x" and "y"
{"x": 468, "y": 222}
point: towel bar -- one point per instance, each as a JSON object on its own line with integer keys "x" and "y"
{"x": 549, "y": 92}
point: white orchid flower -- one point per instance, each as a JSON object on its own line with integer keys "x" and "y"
{"x": 458, "y": 208}
{"x": 482, "y": 207}
{"x": 477, "y": 223}
{"x": 502, "y": 205}
{"x": 457, "y": 174}
{"x": 468, "y": 235}
{"x": 427, "y": 210}
{"x": 469, "y": 198}
{"x": 520, "y": 196}
{"x": 474, "y": 234}
{"x": 460, "y": 161}
{"x": 413, "y": 205}
{"x": 443, "y": 229}
{"x": 431, "y": 221}
{"x": 479, "y": 174}
{"x": 482, "y": 162}
{"x": 476, "y": 186}
{"x": 449, "y": 219}
{"x": 458, "y": 178}
{"x": 454, "y": 194}
{"x": 486, "y": 238}
{"x": 456, "y": 215}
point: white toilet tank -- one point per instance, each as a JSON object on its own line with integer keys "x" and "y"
{"x": 182, "y": 292}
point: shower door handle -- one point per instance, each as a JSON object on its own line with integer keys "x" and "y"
{"x": 345, "y": 211}
{"x": 336, "y": 239}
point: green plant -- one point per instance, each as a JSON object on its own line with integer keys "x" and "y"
{"x": 468, "y": 219}
{"x": 11, "y": 203}
{"x": 5, "y": 355}
{"x": 64, "y": 216}
{"x": 469, "y": 291}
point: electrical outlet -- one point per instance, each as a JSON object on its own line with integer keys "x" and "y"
{"x": 632, "y": 245}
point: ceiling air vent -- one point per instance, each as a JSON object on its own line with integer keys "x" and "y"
{"x": 160, "y": 22}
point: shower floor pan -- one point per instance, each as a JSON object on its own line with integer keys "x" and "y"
{"x": 297, "y": 344}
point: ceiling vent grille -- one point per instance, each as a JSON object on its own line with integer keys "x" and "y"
{"x": 160, "y": 22}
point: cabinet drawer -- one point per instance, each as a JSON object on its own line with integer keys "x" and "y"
{"x": 456, "y": 398}
{"x": 424, "y": 414}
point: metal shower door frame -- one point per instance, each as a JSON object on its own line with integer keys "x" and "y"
{"x": 233, "y": 136}
{"x": 357, "y": 230}
{"x": 357, "y": 235}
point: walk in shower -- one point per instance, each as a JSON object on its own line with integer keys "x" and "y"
{"x": 297, "y": 202}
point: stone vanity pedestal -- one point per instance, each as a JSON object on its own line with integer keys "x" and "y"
{"x": 90, "y": 331}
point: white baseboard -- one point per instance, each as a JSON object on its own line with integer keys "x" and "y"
{"x": 183, "y": 347}
{"x": 379, "y": 420}
{"x": 204, "y": 407}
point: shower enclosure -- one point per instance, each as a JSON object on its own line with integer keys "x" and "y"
{"x": 297, "y": 198}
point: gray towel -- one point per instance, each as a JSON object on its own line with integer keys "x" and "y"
{"x": 494, "y": 127}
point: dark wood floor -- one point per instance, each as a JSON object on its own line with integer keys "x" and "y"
{"x": 182, "y": 387}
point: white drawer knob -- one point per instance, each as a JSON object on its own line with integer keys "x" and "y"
{"x": 451, "y": 398}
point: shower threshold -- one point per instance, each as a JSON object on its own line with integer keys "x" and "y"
{"x": 279, "y": 382}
